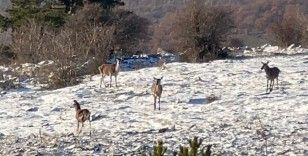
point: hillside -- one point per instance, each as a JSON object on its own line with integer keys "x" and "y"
{"x": 250, "y": 16}
{"x": 223, "y": 101}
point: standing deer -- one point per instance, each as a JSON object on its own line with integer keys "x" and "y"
{"x": 271, "y": 75}
{"x": 161, "y": 63}
{"x": 109, "y": 70}
{"x": 157, "y": 90}
{"x": 82, "y": 115}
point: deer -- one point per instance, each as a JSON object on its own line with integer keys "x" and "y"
{"x": 82, "y": 115}
{"x": 161, "y": 63}
{"x": 109, "y": 70}
{"x": 271, "y": 75}
{"x": 157, "y": 90}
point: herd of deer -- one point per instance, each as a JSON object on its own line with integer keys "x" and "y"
{"x": 83, "y": 115}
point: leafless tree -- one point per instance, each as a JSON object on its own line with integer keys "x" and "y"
{"x": 199, "y": 31}
{"x": 290, "y": 30}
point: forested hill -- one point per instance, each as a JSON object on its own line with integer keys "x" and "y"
{"x": 249, "y": 15}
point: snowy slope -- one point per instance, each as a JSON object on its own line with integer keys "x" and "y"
{"x": 237, "y": 123}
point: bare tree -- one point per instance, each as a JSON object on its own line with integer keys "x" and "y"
{"x": 199, "y": 31}
{"x": 82, "y": 44}
{"x": 290, "y": 30}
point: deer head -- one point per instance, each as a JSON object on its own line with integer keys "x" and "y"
{"x": 76, "y": 105}
{"x": 157, "y": 80}
{"x": 265, "y": 65}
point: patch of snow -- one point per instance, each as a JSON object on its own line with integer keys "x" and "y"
{"x": 269, "y": 50}
{"x": 123, "y": 119}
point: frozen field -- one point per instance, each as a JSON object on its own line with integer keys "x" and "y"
{"x": 242, "y": 119}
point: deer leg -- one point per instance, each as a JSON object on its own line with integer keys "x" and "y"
{"x": 154, "y": 102}
{"x": 90, "y": 125}
{"x": 102, "y": 80}
{"x": 271, "y": 85}
{"x": 277, "y": 83}
{"x": 77, "y": 126}
{"x": 110, "y": 80}
{"x": 267, "y": 85}
{"x": 80, "y": 130}
{"x": 115, "y": 79}
{"x": 159, "y": 103}
{"x": 100, "y": 83}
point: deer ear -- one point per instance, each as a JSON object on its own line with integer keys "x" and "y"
{"x": 267, "y": 62}
{"x": 262, "y": 62}
{"x": 161, "y": 77}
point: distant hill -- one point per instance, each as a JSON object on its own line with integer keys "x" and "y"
{"x": 252, "y": 17}
{"x": 247, "y": 13}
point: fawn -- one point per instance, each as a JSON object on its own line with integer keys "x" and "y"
{"x": 82, "y": 115}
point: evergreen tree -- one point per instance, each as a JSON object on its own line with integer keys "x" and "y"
{"x": 107, "y": 4}
{"x": 41, "y": 11}
{"x": 72, "y": 5}
{"x": 4, "y": 23}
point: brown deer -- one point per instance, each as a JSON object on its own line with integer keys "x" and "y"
{"x": 157, "y": 90}
{"x": 109, "y": 70}
{"x": 271, "y": 75}
{"x": 82, "y": 115}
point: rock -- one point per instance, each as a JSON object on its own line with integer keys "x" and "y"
{"x": 163, "y": 130}
{"x": 97, "y": 116}
{"x": 291, "y": 47}
{"x": 9, "y": 84}
{"x": 1, "y": 135}
{"x": 57, "y": 109}
{"x": 34, "y": 109}
{"x": 97, "y": 147}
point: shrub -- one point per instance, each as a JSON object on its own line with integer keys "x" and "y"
{"x": 81, "y": 44}
{"x": 6, "y": 55}
{"x": 199, "y": 31}
{"x": 193, "y": 150}
{"x": 69, "y": 48}
{"x": 288, "y": 31}
{"x": 235, "y": 42}
{"x": 158, "y": 149}
{"x": 305, "y": 35}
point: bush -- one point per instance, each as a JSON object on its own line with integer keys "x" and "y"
{"x": 199, "y": 30}
{"x": 235, "y": 42}
{"x": 305, "y": 35}
{"x": 193, "y": 150}
{"x": 288, "y": 31}
{"x": 6, "y": 55}
{"x": 81, "y": 44}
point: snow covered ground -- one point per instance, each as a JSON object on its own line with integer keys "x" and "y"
{"x": 242, "y": 119}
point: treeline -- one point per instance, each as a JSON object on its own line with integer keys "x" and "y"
{"x": 250, "y": 16}
{"x": 72, "y": 32}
